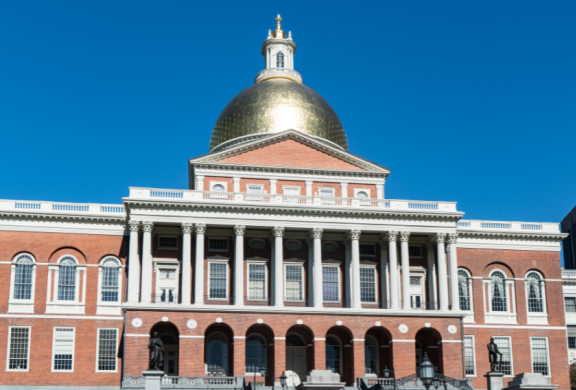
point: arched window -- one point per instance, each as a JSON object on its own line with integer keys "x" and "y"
{"x": 534, "y": 292}
{"x": 218, "y": 188}
{"x": 293, "y": 340}
{"x": 371, "y": 355}
{"x": 255, "y": 353}
{"x": 280, "y": 60}
{"x": 110, "y": 280}
{"x": 217, "y": 353}
{"x": 23, "y": 277}
{"x": 67, "y": 279}
{"x": 464, "y": 289}
{"x": 498, "y": 289}
{"x": 333, "y": 354}
{"x": 362, "y": 195}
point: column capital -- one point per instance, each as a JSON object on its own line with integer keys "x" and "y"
{"x": 452, "y": 238}
{"x": 200, "y": 228}
{"x": 440, "y": 238}
{"x": 273, "y": 180}
{"x": 187, "y": 228}
{"x": 278, "y": 231}
{"x": 239, "y": 230}
{"x": 404, "y": 236}
{"x": 316, "y": 233}
{"x": 199, "y": 177}
{"x": 236, "y": 179}
{"x": 147, "y": 226}
{"x": 134, "y": 226}
{"x": 343, "y": 184}
{"x": 353, "y": 234}
{"x": 392, "y": 236}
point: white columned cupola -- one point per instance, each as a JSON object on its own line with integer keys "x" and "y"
{"x": 278, "y": 51}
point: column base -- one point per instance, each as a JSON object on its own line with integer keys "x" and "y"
{"x": 494, "y": 380}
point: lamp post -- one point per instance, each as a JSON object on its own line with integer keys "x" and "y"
{"x": 389, "y": 373}
{"x": 283, "y": 379}
{"x": 263, "y": 373}
{"x": 426, "y": 371}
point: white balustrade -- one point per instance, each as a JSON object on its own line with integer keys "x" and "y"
{"x": 524, "y": 227}
{"x": 62, "y": 208}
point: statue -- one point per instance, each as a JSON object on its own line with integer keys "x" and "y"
{"x": 156, "y": 347}
{"x": 493, "y": 353}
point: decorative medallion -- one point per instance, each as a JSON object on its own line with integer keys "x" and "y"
{"x": 329, "y": 246}
{"x": 403, "y": 328}
{"x": 260, "y": 321}
{"x": 191, "y": 324}
{"x": 165, "y": 319}
{"x": 136, "y": 322}
{"x": 378, "y": 323}
{"x": 293, "y": 245}
{"x": 427, "y": 325}
{"x": 339, "y": 323}
{"x": 299, "y": 322}
{"x": 218, "y": 320}
{"x": 257, "y": 243}
{"x": 452, "y": 329}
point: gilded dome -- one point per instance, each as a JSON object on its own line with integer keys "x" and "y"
{"x": 276, "y": 105}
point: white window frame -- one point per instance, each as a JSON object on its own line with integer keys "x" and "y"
{"x": 98, "y": 349}
{"x": 296, "y": 263}
{"x": 170, "y": 265}
{"x": 257, "y": 262}
{"x": 222, "y": 183}
{"x": 370, "y": 244}
{"x": 376, "y": 292}
{"x": 221, "y": 260}
{"x": 511, "y": 355}
{"x": 8, "y": 349}
{"x": 331, "y": 189}
{"x": 499, "y": 317}
{"x": 366, "y": 190}
{"x": 54, "y": 345}
{"x": 261, "y": 186}
{"x": 55, "y": 306}
{"x": 547, "y": 355}
{"x": 471, "y": 296}
{"x": 21, "y": 305}
{"x": 167, "y": 247}
{"x": 535, "y": 317}
{"x": 284, "y": 188}
{"x": 219, "y": 250}
{"x": 473, "y": 355}
{"x": 337, "y": 266}
{"x": 111, "y": 308}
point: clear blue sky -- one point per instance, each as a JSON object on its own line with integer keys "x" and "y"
{"x": 473, "y": 102}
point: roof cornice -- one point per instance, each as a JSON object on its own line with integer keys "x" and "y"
{"x": 554, "y": 237}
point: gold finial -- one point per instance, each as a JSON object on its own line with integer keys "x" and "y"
{"x": 279, "y": 33}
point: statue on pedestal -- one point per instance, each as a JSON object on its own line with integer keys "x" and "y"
{"x": 493, "y": 353}
{"x": 156, "y": 347}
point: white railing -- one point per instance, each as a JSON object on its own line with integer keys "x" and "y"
{"x": 495, "y": 225}
{"x": 568, "y": 273}
{"x": 166, "y": 194}
{"x": 524, "y": 227}
{"x": 423, "y": 205}
{"x": 214, "y": 380}
{"x": 62, "y": 208}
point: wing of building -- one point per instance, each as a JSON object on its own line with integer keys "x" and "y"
{"x": 284, "y": 255}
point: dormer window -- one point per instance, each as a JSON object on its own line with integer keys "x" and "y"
{"x": 280, "y": 60}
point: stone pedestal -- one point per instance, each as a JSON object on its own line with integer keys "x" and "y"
{"x": 323, "y": 380}
{"x": 494, "y": 380}
{"x": 528, "y": 380}
{"x": 152, "y": 379}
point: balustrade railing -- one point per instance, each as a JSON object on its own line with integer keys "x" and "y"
{"x": 63, "y": 208}
{"x": 526, "y": 227}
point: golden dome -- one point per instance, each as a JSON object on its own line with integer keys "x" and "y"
{"x": 276, "y": 105}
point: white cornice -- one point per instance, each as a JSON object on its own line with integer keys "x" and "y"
{"x": 528, "y": 236}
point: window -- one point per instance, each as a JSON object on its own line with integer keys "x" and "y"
{"x": 63, "y": 349}
{"x": 371, "y": 355}
{"x": 294, "y": 340}
{"x": 110, "y": 280}
{"x": 255, "y": 353}
{"x": 217, "y": 352}
{"x": 254, "y": 189}
{"x": 362, "y": 195}
{"x": 218, "y": 188}
{"x": 498, "y": 289}
{"x": 67, "y": 279}
{"x": 469, "y": 355}
{"x": 367, "y": 250}
{"x": 168, "y": 242}
{"x": 571, "y": 330}
{"x": 368, "y": 284}
{"x": 218, "y": 244}
{"x": 280, "y": 60}
{"x": 327, "y": 192}
{"x": 19, "y": 348}
{"x": 333, "y": 354}
{"x": 534, "y": 292}
{"x": 540, "y": 355}
{"x": 218, "y": 281}
{"x": 23, "y": 277}
{"x": 294, "y": 283}
{"x": 570, "y": 303}
{"x": 167, "y": 295}
{"x": 257, "y": 281}
{"x": 505, "y": 347}
{"x": 464, "y": 289}
{"x": 330, "y": 283}
{"x": 415, "y": 251}
{"x": 107, "y": 342}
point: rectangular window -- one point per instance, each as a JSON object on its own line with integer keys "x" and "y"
{"x": 540, "y": 355}
{"x": 168, "y": 242}
{"x": 571, "y": 330}
{"x": 367, "y": 284}
{"x": 218, "y": 281}
{"x": 570, "y": 303}
{"x": 19, "y": 349}
{"x": 107, "y": 342}
{"x": 63, "y": 349}
{"x": 469, "y": 355}
{"x": 167, "y": 295}
{"x": 256, "y": 282}
{"x": 505, "y": 347}
{"x": 416, "y": 301}
{"x": 367, "y": 250}
{"x": 415, "y": 251}
{"x": 110, "y": 282}
{"x": 255, "y": 189}
{"x": 294, "y": 283}
{"x": 327, "y": 192}
{"x": 218, "y": 244}
{"x": 330, "y": 283}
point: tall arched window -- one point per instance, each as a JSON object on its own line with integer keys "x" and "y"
{"x": 23, "y": 277}
{"x": 217, "y": 352}
{"x": 371, "y": 355}
{"x": 333, "y": 354}
{"x": 280, "y": 60}
{"x": 534, "y": 292}
{"x": 498, "y": 289}
{"x": 255, "y": 353}
{"x": 67, "y": 279}
{"x": 464, "y": 289}
{"x": 109, "y": 289}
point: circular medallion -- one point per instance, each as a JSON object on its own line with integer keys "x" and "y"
{"x": 165, "y": 319}
{"x": 329, "y": 246}
{"x": 260, "y": 321}
{"x": 218, "y": 320}
{"x": 378, "y": 323}
{"x": 403, "y": 328}
{"x": 191, "y": 324}
{"x": 452, "y": 329}
{"x": 136, "y": 322}
{"x": 299, "y": 322}
{"x": 293, "y": 245}
{"x": 257, "y": 243}
{"x": 338, "y": 323}
{"x": 427, "y": 325}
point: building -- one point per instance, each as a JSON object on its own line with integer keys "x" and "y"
{"x": 568, "y": 226}
{"x": 569, "y": 287}
{"x": 283, "y": 254}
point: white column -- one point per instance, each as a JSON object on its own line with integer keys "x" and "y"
{"x": 442, "y": 276}
{"x": 310, "y": 271}
{"x": 239, "y": 231}
{"x": 278, "y": 296}
{"x": 354, "y": 237}
{"x": 146, "y": 296}
{"x": 393, "y": 255}
{"x": 432, "y": 299}
{"x": 348, "y": 273}
{"x": 380, "y": 191}
{"x": 452, "y": 239}
{"x": 384, "y": 274}
{"x": 236, "y": 181}
{"x": 309, "y": 188}
{"x": 273, "y": 183}
{"x": 318, "y": 298}
{"x": 199, "y": 265}
{"x": 133, "y": 264}
{"x": 404, "y": 254}
{"x": 186, "y": 263}
{"x": 200, "y": 183}
{"x": 344, "y": 188}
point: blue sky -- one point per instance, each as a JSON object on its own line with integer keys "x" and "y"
{"x": 472, "y": 102}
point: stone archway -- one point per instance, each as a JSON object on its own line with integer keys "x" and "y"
{"x": 299, "y": 352}
{"x": 379, "y": 355}
{"x": 170, "y": 336}
{"x": 219, "y": 349}
{"x": 429, "y": 341}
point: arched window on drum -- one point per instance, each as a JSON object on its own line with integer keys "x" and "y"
{"x": 280, "y": 60}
